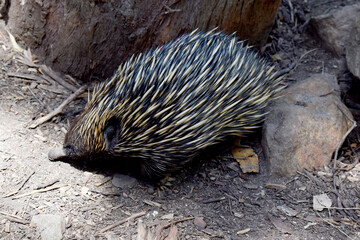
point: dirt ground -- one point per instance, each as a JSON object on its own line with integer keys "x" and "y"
{"x": 232, "y": 204}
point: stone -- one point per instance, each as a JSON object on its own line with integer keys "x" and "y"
{"x": 334, "y": 28}
{"x": 305, "y": 125}
{"x": 50, "y": 227}
{"x": 199, "y": 223}
{"x": 352, "y": 50}
{"x": 123, "y": 181}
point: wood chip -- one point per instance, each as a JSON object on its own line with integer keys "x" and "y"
{"x": 152, "y": 203}
{"x": 275, "y": 186}
{"x": 242, "y": 232}
{"x": 141, "y": 231}
{"x": 173, "y": 233}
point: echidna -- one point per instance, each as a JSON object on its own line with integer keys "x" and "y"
{"x": 168, "y": 104}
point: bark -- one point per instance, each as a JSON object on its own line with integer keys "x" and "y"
{"x": 89, "y": 39}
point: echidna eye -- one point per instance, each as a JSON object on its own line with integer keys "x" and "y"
{"x": 111, "y": 134}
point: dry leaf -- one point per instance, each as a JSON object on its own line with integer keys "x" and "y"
{"x": 321, "y": 201}
{"x": 14, "y": 43}
{"x": 173, "y": 233}
{"x": 247, "y": 158}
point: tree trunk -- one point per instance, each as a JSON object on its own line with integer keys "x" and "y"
{"x": 89, "y": 39}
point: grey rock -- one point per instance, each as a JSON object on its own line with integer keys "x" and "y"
{"x": 353, "y": 50}
{"x": 333, "y": 29}
{"x": 305, "y": 125}
{"x": 199, "y": 223}
{"x": 123, "y": 181}
{"x": 50, "y": 227}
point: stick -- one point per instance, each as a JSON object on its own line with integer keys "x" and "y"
{"x": 39, "y": 191}
{"x": 28, "y": 76}
{"x": 54, "y": 76}
{"x": 25, "y": 180}
{"x": 16, "y": 220}
{"x": 214, "y": 200}
{"x": 52, "y": 182}
{"x": 136, "y": 215}
{"x": 21, "y": 185}
{"x": 41, "y": 103}
{"x": 177, "y": 221}
{"x": 59, "y": 109}
{"x": 10, "y": 215}
{"x": 340, "y": 143}
{"x": 328, "y": 222}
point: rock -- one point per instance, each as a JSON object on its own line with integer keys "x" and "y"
{"x": 123, "y": 181}
{"x": 50, "y": 227}
{"x": 352, "y": 50}
{"x": 199, "y": 223}
{"x": 304, "y": 126}
{"x": 334, "y": 28}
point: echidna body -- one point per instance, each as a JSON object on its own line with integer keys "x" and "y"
{"x": 168, "y": 104}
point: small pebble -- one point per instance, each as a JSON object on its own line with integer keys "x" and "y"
{"x": 123, "y": 181}
{"x": 199, "y": 223}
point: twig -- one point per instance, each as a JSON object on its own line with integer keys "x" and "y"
{"x": 40, "y": 191}
{"x": 102, "y": 183}
{"x": 21, "y": 185}
{"x": 41, "y": 103}
{"x": 50, "y": 183}
{"x": 328, "y": 222}
{"x": 177, "y": 221}
{"x": 59, "y": 109}
{"x": 314, "y": 179}
{"x": 339, "y": 145}
{"x": 214, "y": 200}
{"x": 10, "y": 215}
{"x": 170, "y": 10}
{"x": 28, "y": 76}
{"x": 54, "y": 76}
{"x": 136, "y": 215}
{"x": 336, "y": 156}
{"x": 345, "y": 208}
{"x": 302, "y": 56}
{"x": 105, "y": 193}
{"x": 291, "y": 10}
{"x": 26, "y": 180}
{"x": 17, "y": 220}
